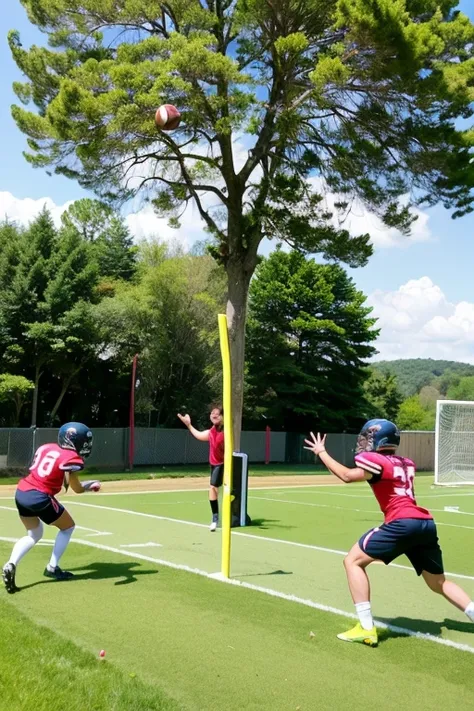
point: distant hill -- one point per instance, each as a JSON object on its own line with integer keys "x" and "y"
{"x": 414, "y": 373}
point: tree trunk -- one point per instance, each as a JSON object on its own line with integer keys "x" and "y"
{"x": 57, "y": 404}
{"x": 34, "y": 406}
{"x": 238, "y": 280}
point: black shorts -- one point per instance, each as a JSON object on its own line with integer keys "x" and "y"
{"x": 37, "y": 503}
{"x": 217, "y": 474}
{"x": 414, "y": 537}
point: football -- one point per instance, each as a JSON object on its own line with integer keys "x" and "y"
{"x": 167, "y": 117}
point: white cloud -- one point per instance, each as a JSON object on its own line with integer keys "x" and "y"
{"x": 417, "y": 321}
{"x": 24, "y": 210}
{"x": 360, "y": 221}
{"x": 143, "y": 223}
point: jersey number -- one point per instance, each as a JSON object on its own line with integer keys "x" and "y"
{"x": 406, "y": 476}
{"x": 44, "y": 465}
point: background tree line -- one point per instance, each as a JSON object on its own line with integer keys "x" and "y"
{"x": 77, "y": 302}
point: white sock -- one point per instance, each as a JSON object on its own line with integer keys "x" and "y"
{"x": 60, "y": 545}
{"x": 365, "y": 615}
{"x": 25, "y": 544}
{"x": 470, "y": 611}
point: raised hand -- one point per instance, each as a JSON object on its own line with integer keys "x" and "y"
{"x": 185, "y": 419}
{"x": 316, "y": 444}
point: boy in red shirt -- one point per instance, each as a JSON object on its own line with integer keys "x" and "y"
{"x": 53, "y": 465}
{"x": 407, "y": 529}
{"x": 215, "y": 437}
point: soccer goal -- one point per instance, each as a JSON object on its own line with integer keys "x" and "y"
{"x": 454, "y": 443}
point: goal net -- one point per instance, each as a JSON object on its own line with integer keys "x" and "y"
{"x": 454, "y": 442}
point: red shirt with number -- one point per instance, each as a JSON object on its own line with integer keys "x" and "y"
{"x": 393, "y": 485}
{"x": 216, "y": 446}
{"x": 48, "y": 468}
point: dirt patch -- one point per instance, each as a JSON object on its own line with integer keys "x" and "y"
{"x": 197, "y": 483}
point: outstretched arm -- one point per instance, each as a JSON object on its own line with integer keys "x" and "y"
{"x": 345, "y": 474}
{"x": 79, "y": 487}
{"x": 201, "y": 435}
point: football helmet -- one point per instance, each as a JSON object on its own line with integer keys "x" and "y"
{"x": 378, "y": 436}
{"x": 76, "y": 436}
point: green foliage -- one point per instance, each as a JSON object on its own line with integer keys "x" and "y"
{"x": 169, "y": 319}
{"x": 382, "y": 395}
{"x": 105, "y": 230}
{"x": 462, "y": 390}
{"x": 309, "y": 335}
{"x": 412, "y": 415}
{"x": 14, "y": 390}
{"x": 414, "y": 373}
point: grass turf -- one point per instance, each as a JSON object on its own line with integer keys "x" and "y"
{"x": 204, "y": 645}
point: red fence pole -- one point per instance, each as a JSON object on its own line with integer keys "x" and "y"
{"x": 268, "y": 436}
{"x": 131, "y": 441}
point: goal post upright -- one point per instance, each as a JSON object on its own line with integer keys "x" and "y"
{"x": 228, "y": 445}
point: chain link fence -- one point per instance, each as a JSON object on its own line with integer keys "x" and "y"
{"x": 164, "y": 447}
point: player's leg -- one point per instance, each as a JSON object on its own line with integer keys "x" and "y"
{"x": 66, "y": 527}
{"x": 217, "y": 474}
{"x": 451, "y": 591}
{"x": 29, "y": 504}
{"x": 427, "y": 559}
{"x": 34, "y": 532}
{"x": 355, "y": 564}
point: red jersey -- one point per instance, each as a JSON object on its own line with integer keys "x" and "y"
{"x": 216, "y": 446}
{"x": 48, "y": 468}
{"x": 392, "y": 483}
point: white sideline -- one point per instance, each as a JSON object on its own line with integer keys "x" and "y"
{"x": 255, "y": 537}
{"x": 275, "y": 593}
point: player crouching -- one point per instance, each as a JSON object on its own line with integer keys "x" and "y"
{"x": 407, "y": 529}
{"x": 53, "y": 465}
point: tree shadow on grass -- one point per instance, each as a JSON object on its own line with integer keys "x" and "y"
{"x": 127, "y": 572}
{"x": 430, "y": 627}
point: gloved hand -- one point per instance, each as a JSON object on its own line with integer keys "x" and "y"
{"x": 91, "y": 485}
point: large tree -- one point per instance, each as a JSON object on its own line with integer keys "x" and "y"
{"x": 346, "y": 96}
{"x": 309, "y": 337}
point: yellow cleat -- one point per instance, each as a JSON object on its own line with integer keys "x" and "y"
{"x": 359, "y": 634}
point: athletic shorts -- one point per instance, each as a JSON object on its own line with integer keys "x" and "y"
{"x": 217, "y": 474}
{"x": 37, "y": 503}
{"x": 414, "y": 537}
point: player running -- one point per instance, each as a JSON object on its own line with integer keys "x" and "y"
{"x": 53, "y": 465}
{"x": 215, "y": 437}
{"x": 408, "y": 528}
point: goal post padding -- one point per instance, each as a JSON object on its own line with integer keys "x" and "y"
{"x": 454, "y": 442}
{"x": 240, "y": 476}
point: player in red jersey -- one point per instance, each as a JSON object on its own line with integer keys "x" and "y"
{"x": 215, "y": 437}
{"x": 53, "y": 465}
{"x": 408, "y": 528}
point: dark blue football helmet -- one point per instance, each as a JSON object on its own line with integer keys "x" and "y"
{"x": 378, "y": 436}
{"x": 76, "y": 436}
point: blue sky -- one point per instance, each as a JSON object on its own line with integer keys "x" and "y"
{"x": 422, "y": 289}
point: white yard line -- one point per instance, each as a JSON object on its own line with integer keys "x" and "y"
{"x": 255, "y": 537}
{"x": 275, "y": 593}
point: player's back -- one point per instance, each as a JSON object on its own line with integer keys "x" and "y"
{"x": 49, "y": 465}
{"x": 392, "y": 482}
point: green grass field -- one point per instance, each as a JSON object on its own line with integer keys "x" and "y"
{"x": 177, "y": 637}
